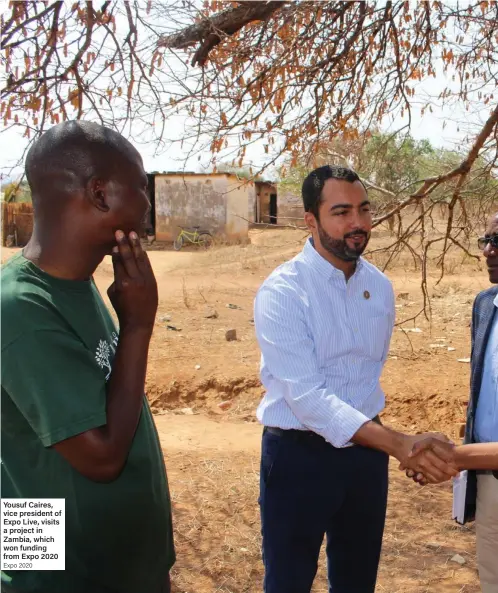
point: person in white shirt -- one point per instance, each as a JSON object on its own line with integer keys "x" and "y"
{"x": 324, "y": 322}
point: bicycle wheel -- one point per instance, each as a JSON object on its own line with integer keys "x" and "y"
{"x": 205, "y": 240}
{"x": 178, "y": 244}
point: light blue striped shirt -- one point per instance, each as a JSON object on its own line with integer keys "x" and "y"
{"x": 486, "y": 422}
{"x": 324, "y": 342}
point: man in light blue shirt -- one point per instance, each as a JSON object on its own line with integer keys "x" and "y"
{"x": 324, "y": 322}
{"x": 482, "y": 425}
{"x": 479, "y": 453}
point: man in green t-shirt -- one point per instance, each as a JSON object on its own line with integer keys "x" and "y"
{"x": 75, "y": 421}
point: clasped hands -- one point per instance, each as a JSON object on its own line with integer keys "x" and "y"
{"x": 429, "y": 458}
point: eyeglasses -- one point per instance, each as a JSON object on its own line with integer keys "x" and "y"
{"x": 482, "y": 242}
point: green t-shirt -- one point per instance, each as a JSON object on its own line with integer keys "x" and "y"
{"x": 58, "y": 344}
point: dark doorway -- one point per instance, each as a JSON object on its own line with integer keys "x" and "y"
{"x": 273, "y": 208}
{"x": 150, "y": 224}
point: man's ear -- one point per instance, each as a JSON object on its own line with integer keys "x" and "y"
{"x": 97, "y": 192}
{"x": 310, "y": 221}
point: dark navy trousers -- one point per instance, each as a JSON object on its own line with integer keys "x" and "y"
{"x": 309, "y": 490}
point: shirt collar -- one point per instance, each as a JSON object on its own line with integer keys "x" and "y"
{"x": 495, "y": 302}
{"x": 319, "y": 263}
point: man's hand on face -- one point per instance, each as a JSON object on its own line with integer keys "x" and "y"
{"x": 133, "y": 293}
{"x": 429, "y": 458}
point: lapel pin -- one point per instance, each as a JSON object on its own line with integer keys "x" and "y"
{"x": 366, "y": 294}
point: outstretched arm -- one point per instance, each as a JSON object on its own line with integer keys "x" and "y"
{"x": 289, "y": 353}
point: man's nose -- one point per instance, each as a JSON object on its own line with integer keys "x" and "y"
{"x": 355, "y": 221}
{"x": 490, "y": 251}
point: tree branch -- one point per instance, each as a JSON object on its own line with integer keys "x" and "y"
{"x": 430, "y": 184}
{"x": 210, "y": 31}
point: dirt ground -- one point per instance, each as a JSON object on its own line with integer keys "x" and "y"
{"x": 212, "y": 451}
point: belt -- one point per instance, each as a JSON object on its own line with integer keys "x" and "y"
{"x": 302, "y": 434}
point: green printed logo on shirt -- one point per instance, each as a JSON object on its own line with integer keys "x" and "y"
{"x": 105, "y": 352}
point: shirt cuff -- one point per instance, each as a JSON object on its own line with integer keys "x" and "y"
{"x": 346, "y": 423}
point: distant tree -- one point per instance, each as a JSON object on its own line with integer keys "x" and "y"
{"x": 17, "y": 191}
{"x": 392, "y": 169}
{"x": 241, "y": 172}
{"x": 389, "y": 164}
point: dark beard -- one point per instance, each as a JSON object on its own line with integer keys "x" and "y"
{"x": 339, "y": 247}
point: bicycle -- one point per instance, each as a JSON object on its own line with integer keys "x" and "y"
{"x": 197, "y": 237}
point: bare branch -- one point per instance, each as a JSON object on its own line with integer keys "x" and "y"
{"x": 210, "y": 31}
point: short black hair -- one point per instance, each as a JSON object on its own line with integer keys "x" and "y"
{"x": 314, "y": 182}
{"x": 70, "y": 153}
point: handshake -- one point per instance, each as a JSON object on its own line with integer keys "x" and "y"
{"x": 428, "y": 458}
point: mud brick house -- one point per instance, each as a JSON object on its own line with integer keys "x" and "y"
{"x": 218, "y": 202}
